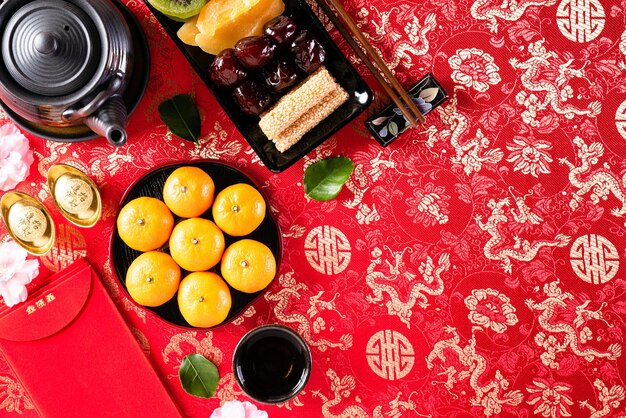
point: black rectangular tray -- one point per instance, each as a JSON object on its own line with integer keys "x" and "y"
{"x": 337, "y": 64}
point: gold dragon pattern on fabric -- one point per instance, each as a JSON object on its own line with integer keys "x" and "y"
{"x": 557, "y": 336}
{"x": 203, "y": 346}
{"x": 601, "y": 182}
{"x": 387, "y": 38}
{"x": 609, "y": 399}
{"x": 13, "y": 397}
{"x": 522, "y": 249}
{"x": 510, "y": 10}
{"x": 471, "y": 153}
{"x": 342, "y": 387}
{"x": 491, "y": 394}
{"x": 556, "y": 91}
{"x": 292, "y": 291}
{"x": 387, "y": 282}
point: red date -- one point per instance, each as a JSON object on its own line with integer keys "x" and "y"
{"x": 226, "y": 70}
{"x": 255, "y": 52}
{"x": 252, "y": 97}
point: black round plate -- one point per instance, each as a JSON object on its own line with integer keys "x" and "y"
{"x": 223, "y": 176}
{"x": 132, "y": 95}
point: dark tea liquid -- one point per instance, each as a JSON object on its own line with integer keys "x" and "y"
{"x": 272, "y": 366}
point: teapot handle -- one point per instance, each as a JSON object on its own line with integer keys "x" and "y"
{"x": 72, "y": 114}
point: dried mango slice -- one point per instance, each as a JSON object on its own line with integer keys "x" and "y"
{"x": 187, "y": 33}
{"x": 221, "y": 23}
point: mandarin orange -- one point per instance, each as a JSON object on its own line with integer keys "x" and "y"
{"x": 204, "y": 299}
{"x": 239, "y": 209}
{"x": 153, "y": 278}
{"x": 248, "y": 265}
{"x": 188, "y": 192}
{"x": 145, "y": 224}
{"x": 196, "y": 244}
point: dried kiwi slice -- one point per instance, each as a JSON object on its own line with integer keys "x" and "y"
{"x": 178, "y": 9}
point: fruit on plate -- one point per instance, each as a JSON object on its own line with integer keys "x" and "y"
{"x": 308, "y": 53}
{"x": 280, "y": 75}
{"x": 226, "y": 70}
{"x": 196, "y": 244}
{"x": 255, "y": 52}
{"x": 252, "y": 97}
{"x": 153, "y": 278}
{"x": 204, "y": 299}
{"x": 188, "y": 192}
{"x": 281, "y": 29}
{"x": 145, "y": 224}
{"x": 188, "y": 31}
{"x": 248, "y": 266}
{"x": 221, "y": 23}
{"x": 278, "y": 58}
{"x": 179, "y": 10}
{"x": 239, "y": 209}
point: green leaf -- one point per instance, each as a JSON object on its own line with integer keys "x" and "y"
{"x": 181, "y": 116}
{"x": 393, "y": 128}
{"x": 198, "y": 376}
{"x": 324, "y": 179}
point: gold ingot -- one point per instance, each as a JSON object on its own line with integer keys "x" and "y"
{"x": 75, "y": 195}
{"x": 28, "y": 221}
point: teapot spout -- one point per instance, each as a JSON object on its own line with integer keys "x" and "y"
{"x": 110, "y": 121}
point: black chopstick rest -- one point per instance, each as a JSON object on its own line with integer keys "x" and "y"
{"x": 389, "y": 123}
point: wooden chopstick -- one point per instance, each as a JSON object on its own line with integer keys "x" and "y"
{"x": 377, "y": 66}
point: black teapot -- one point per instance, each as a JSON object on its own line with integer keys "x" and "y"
{"x": 65, "y": 63}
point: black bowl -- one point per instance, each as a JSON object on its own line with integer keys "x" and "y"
{"x": 223, "y": 175}
{"x": 336, "y": 63}
{"x": 272, "y": 364}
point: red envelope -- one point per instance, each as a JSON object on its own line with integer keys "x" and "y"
{"x": 75, "y": 355}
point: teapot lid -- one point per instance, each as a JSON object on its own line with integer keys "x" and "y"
{"x": 51, "y": 47}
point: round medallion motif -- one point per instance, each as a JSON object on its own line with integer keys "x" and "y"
{"x": 594, "y": 259}
{"x": 390, "y": 354}
{"x": 327, "y": 250}
{"x": 580, "y": 20}
{"x": 620, "y": 119}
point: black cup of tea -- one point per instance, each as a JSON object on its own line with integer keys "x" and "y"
{"x": 272, "y": 363}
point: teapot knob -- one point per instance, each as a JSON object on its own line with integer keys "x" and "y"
{"x": 46, "y": 43}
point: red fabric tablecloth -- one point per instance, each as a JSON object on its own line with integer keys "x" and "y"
{"x": 475, "y": 267}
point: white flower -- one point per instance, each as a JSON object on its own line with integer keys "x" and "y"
{"x": 474, "y": 68}
{"x": 530, "y": 155}
{"x": 15, "y": 157}
{"x": 491, "y": 310}
{"x": 550, "y": 399}
{"x": 15, "y": 273}
{"x": 237, "y": 409}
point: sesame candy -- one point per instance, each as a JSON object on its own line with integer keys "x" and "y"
{"x": 302, "y": 109}
{"x": 310, "y": 119}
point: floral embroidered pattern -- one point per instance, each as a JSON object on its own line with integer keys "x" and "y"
{"x": 429, "y": 206}
{"x": 12, "y": 396}
{"x": 491, "y": 310}
{"x": 550, "y": 399}
{"x": 529, "y": 155}
{"x": 474, "y": 68}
